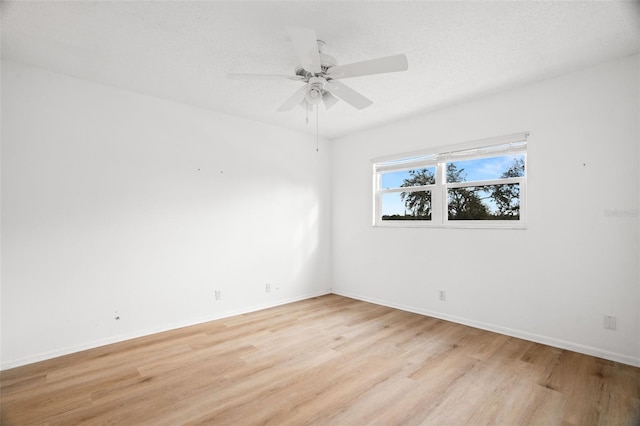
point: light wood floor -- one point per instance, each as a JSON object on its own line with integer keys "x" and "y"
{"x": 328, "y": 360}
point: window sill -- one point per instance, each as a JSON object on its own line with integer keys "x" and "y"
{"x": 457, "y": 225}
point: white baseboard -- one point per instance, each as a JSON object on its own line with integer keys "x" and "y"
{"x": 5, "y": 365}
{"x": 562, "y": 344}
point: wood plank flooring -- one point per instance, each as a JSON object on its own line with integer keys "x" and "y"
{"x": 329, "y": 360}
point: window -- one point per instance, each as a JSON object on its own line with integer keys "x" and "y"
{"x": 479, "y": 184}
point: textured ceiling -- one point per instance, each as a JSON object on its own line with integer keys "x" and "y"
{"x": 181, "y": 50}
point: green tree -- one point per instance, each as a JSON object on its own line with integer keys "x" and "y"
{"x": 464, "y": 203}
{"x": 418, "y": 202}
{"x": 507, "y": 196}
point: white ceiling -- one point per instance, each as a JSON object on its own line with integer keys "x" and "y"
{"x": 181, "y": 50}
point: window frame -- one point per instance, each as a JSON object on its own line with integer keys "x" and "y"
{"x": 439, "y": 157}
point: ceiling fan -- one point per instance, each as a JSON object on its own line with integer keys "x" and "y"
{"x": 321, "y": 73}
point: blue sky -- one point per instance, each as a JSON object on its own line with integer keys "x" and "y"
{"x": 486, "y": 168}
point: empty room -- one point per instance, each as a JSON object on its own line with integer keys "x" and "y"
{"x": 317, "y": 212}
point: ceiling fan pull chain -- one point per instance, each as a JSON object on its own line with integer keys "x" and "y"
{"x": 317, "y": 119}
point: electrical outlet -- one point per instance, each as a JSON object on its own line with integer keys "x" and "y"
{"x": 609, "y": 322}
{"x": 442, "y": 295}
{"x": 218, "y": 294}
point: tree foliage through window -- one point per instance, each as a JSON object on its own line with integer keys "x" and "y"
{"x": 418, "y": 203}
{"x": 484, "y": 202}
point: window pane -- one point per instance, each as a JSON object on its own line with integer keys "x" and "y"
{"x": 506, "y": 166}
{"x": 489, "y": 202}
{"x": 406, "y": 178}
{"x": 414, "y": 205}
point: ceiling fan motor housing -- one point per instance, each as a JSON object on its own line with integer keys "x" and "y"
{"x": 326, "y": 62}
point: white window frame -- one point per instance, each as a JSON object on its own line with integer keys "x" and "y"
{"x": 438, "y": 158}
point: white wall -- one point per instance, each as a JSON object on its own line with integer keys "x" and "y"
{"x": 552, "y": 282}
{"x": 104, "y": 210}
{"x": 115, "y": 201}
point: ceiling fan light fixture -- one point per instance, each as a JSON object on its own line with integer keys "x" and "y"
{"x": 314, "y": 95}
{"x": 315, "y": 91}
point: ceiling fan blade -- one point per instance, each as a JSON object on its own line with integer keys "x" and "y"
{"x": 306, "y": 46}
{"x": 294, "y": 99}
{"x": 372, "y": 66}
{"x": 348, "y": 95}
{"x": 240, "y": 76}
{"x": 329, "y": 99}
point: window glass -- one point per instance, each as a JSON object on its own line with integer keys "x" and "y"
{"x": 488, "y": 202}
{"x": 480, "y": 184}
{"x": 502, "y": 167}
{"x": 407, "y": 178}
{"x": 410, "y": 205}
